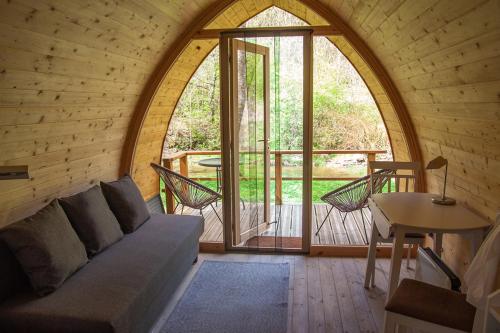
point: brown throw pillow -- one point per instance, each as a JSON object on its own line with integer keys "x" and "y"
{"x": 47, "y": 247}
{"x": 92, "y": 219}
{"x": 126, "y": 202}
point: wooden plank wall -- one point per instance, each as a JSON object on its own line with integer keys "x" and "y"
{"x": 444, "y": 56}
{"x": 70, "y": 75}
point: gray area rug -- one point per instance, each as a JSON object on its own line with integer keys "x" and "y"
{"x": 233, "y": 297}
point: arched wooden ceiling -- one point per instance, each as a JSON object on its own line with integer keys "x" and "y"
{"x": 72, "y": 73}
{"x": 160, "y": 98}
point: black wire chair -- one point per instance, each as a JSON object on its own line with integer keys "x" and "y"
{"x": 354, "y": 196}
{"x": 186, "y": 191}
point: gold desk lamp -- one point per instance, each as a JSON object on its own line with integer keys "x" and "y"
{"x": 438, "y": 163}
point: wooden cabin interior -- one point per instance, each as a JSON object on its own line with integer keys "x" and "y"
{"x": 88, "y": 89}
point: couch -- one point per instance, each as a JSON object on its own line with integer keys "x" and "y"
{"x": 123, "y": 289}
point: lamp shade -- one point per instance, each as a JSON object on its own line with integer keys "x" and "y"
{"x": 437, "y": 163}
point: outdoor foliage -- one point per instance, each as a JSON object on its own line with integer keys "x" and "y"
{"x": 345, "y": 116}
{"x": 196, "y": 119}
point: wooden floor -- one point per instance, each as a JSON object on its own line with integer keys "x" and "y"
{"x": 325, "y": 294}
{"x": 333, "y": 231}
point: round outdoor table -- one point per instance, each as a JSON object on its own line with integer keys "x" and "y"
{"x": 216, "y": 163}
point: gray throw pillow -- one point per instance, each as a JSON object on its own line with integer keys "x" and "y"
{"x": 12, "y": 277}
{"x": 47, "y": 248}
{"x": 126, "y": 202}
{"x": 93, "y": 221}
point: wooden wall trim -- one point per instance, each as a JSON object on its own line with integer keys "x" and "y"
{"x": 212, "y": 247}
{"x": 318, "y": 250}
{"x": 360, "y": 251}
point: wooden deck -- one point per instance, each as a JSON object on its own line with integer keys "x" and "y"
{"x": 333, "y": 231}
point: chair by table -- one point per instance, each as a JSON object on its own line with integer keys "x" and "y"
{"x": 401, "y": 179}
{"x": 430, "y": 308}
{"x": 419, "y": 305}
{"x": 353, "y": 196}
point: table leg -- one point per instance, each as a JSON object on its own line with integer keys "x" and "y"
{"x": 396, "y": 257}
{"x": 438, "y": 243}
{"x": 218, "y": 176}
{"x": 372, "y": 254}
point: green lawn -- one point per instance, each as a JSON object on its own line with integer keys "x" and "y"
{"x": 292, "y": 189}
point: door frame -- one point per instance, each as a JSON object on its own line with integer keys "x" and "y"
{"x": 227, "y": 130}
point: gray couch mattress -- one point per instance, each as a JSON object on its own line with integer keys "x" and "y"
{"x": 123, "y": 289}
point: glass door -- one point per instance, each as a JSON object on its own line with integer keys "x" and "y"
{"x": 250, "y": 141}
{"x": 265, "y": 104}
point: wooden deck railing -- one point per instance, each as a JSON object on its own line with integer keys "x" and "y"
{"x": 183, "y": 157}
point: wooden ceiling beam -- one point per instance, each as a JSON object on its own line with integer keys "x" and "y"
{"x": 269, "y": 32}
